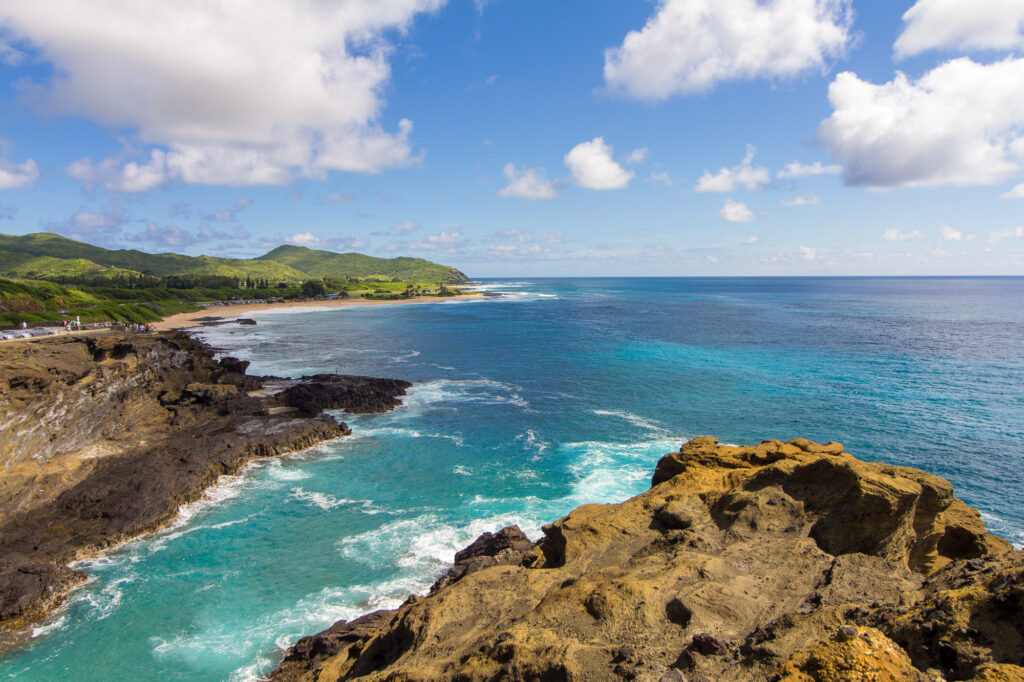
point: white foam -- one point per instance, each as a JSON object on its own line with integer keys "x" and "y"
{"x": 46, "y": 628}
{"x": 461, "y": 470}
{"x": 322, "y": 500}
{"x": 634, "y": 419}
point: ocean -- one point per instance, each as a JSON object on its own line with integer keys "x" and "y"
{"x": 557, "y": 393}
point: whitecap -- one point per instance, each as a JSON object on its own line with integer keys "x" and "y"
{"x": 461, "y": 470}
{"x": 634, "y": 419}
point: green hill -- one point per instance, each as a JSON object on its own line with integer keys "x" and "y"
{"x": 319, "y": 263}
{"x": 45, "y": 255}
{"x": 156, "y": 264}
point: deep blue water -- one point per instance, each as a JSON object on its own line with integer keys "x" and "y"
{"x": 525, "y": 406}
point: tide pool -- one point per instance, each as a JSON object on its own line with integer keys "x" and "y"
{"x": 559, "y": 393}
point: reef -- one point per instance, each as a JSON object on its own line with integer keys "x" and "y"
{"x": 104, "y": 438}
{"x": 782, "y": 561}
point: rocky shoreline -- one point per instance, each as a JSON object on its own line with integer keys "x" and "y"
{"x": 104, "y": 438}
{"x": 784, "y": 561}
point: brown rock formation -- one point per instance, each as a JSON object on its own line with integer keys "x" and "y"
{"x": 104, "y": 438}
{"x": 790, "y": 561}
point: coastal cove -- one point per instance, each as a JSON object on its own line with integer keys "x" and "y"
{"x": 559, "y": 393}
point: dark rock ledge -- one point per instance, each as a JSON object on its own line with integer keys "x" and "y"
{"x": 784, "y": 561}
{"x": 104, "y": 438}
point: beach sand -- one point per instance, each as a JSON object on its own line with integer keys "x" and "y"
{"x": 184, "y": 320}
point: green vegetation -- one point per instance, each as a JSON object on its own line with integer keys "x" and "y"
{"x": 48, "y": 278}
{"x": 318, "y": 263}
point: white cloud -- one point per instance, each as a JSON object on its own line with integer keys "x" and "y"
{"x": 131, "y": 177}
{"x": 689, "y": 46}
{"x": 807, "y": 253}
{"x": 752, "y": 239}
{"x": 949, "y": 234}
{"x": 14, "y": 175}
{"x": 227, "y": 110}
{"x": 406, "y": 226}
{"x": 637, "y": 156}
{"x": 1015, "y": 192}
{"x": 799, "y": 170}
{"x": 735, "y": 212}
{"x": 727, "y": 179}
{"x": 661, "y": 178}
{"x": 165, "y": 236}
{"x": 447, "y": 241}
{"x": 995, "y": 237}
{"x": 95, "y": 219}
{"x": 556, "y": 237}
{"x": 529, "y": 183}
{"x": 305, "y": 239}
{"x": 894, "y": 235}
{"x": 805, "y": 200}
{"x": 954, "y": 24}
{"x": 961, "y": 123}
{"x": 591, "y": 166}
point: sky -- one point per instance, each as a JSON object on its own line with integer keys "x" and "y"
{"x": 526, "y": 138}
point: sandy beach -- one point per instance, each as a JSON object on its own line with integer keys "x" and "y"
{"x": 184, "y": 320}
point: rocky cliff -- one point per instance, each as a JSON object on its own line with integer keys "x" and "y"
{"x": 104, "y": 438}
{"x": 785, "y": 561}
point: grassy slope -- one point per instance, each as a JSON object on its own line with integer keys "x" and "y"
{"x": 158, "y": 264}
{"x": 327, "y": 263}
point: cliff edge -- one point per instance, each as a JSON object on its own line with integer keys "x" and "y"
{"x": 103, "y": 438}
{"x": 786, "y": 561}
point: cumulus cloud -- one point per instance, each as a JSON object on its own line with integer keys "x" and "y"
{"x": 956, "y": 25}
{"x": 529, "y": 183}
{"x": 799, "y": 170}
{"x": 227, "y": 110}
{"x": 13, "y": 175}
{"x": 555, "y": 237}
{"x": 949, "y": 234}
{"x": 805, "y": 200}
{"x": 995, "y": 236}
{"x": 894, "y": 235}
{"x": 727, "y": 179}
{"x": 735, "y": 212}
{"x": 1015, "y": 192}
{"x": 689, "y": 46}
{"x": 406, "y": 226}
{"x": 962, "y": 123}
{"x": 591, "y": 166}
{"x": 112, "y": 175}
{"x": 752, "y": 239}
{"x": 808, "y": 253}
{"x": 315, "y": 241}
{"x": 637, "y": 156}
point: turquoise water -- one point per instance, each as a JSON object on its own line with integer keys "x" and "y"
{"x": 525, "y": 406}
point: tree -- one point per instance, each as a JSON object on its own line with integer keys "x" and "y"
{"x": 313, "y": 287}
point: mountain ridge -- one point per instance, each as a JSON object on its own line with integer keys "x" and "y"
{"x": 45, "y": 255}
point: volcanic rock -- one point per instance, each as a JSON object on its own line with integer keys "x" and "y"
{"x": 790, "y": 561}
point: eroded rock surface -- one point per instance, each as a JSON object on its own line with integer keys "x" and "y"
{"x": 790, "y": 561}
{"x": 103, "y": 438}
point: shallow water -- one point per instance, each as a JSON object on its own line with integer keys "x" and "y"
{"x": 559, "y": 393}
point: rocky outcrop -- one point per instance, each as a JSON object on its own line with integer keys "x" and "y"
{"x": 790, "y": 561}
{"x": 104, "y": 438}
{"x": 367, "y": 395}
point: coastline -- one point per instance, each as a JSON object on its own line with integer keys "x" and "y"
{"x": 92, "y": 491}
{"x": 185, "y": 320}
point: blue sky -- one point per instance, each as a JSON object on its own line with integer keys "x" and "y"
{"x": 514, "y": 137}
